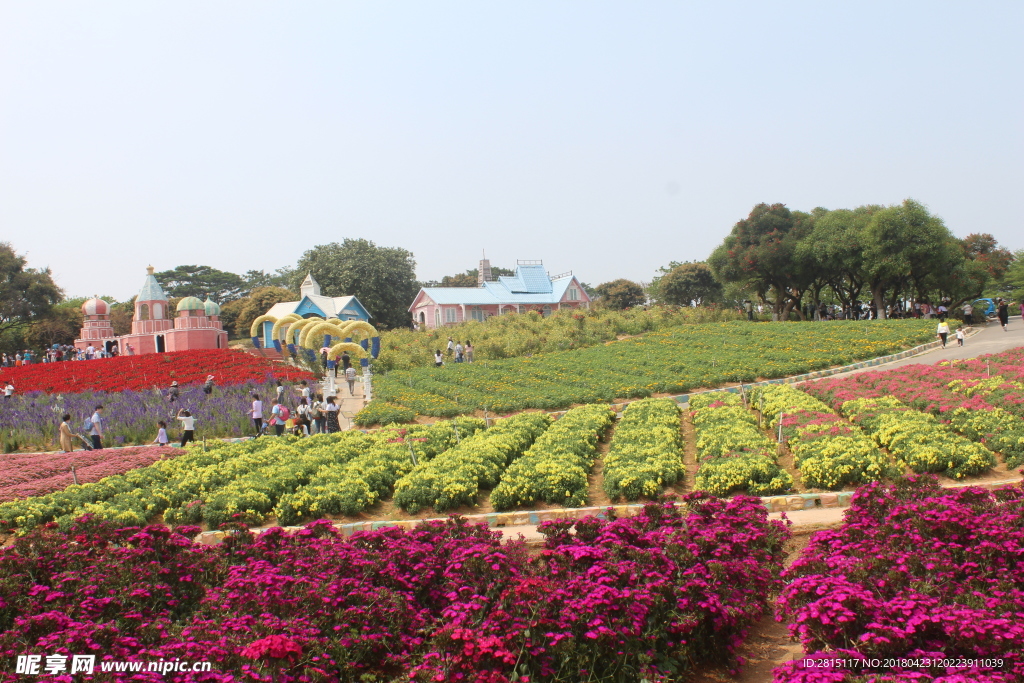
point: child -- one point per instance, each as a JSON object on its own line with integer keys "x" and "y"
{"x": 161, "y": 434}
{"x": 959, "y": 336}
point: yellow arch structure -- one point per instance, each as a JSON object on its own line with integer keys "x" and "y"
{"x": 360, "y": 326}
{"x": 289, "y": 334}
{"x": 255, "y": 328}
{"x": 310, "y": 332}
{"x": 290, "y": 317}
{"x": 351, "y": 347}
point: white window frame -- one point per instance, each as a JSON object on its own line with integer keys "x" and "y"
{"x": 451, "y": 315}
{"x": 574, "y": 294}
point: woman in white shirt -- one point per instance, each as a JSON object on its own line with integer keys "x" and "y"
{"x": 331, "y": 413}
{"x": 188, "y": 426}
{"x": 257, "y": 413}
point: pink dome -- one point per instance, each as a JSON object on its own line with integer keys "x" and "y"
{"x": 96, "y": 306}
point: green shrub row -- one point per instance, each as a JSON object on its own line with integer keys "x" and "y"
{"x": 646, "y": 451}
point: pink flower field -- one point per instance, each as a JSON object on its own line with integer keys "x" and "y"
{"x": 35, "y": 474}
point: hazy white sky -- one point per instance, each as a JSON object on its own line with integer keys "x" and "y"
{"x": 606, "y": 138}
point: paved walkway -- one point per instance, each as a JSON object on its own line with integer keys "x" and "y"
{"x": 988, "y": 338}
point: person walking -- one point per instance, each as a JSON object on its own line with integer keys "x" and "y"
{"x": 451, "y": 346}
{"x": 331, "y": 416}
{"x": 66, "y": 435}
{"x": 302, "y": 420}
{"x": 458, "y": 352}
{"x": 968, "y": 310}
{"x": 350, "y": 377}
{"x": 316, "y": 414}
{"x": 280, "y": 392}
{"x": 279, "y": 417}
{"x": 469, "y": 351}
{"x": 256, "y": 412}
{"x": 129, "y": 350}
{"x": 942, "y": 332}
{"x": 96, "y": 430}
{"x": 346, "y": 361}
{"x": 1003, "y": 313}
{"x": 748, "y": 306}
{"x": 959, "y": 336}
{"x": 188, "y": 426}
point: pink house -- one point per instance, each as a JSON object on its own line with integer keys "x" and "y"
{"x": 530, "y": 289}
{"x": 196, "y": 326}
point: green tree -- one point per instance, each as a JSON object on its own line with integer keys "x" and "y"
{"x": 202, "y": 281}
{"x": 904, "y": 245}
{"x": 382, "y": 278}
{"x": 760, "y": 256}
{"x": 60, "y": 325}
{"x": 1012, "y": 282}
{"x": 259, "y": 301}
{"x": 25, "y": 293}
{"x": 836, "y": 245}
{"x": 620, "y": 294}
{"x": 254, "y": 279}
{"x": 687, "y": 284}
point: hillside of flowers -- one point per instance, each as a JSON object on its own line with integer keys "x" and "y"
{"x": 642, "y": 598}
{"x": 673, "y": 360}
{"x": 140, "y": 373}
{"x": 920, "y": 583}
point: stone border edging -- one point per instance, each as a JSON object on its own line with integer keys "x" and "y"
{"x": 788, "y": 503}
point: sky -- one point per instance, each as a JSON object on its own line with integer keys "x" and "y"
{"x": 606, "y": 138}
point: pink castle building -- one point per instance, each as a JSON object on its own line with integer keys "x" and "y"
{"x": 197, "y": 325}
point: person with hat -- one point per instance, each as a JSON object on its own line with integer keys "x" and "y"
{"x": 208, "y": 386}
{"x": 172, "y": 393}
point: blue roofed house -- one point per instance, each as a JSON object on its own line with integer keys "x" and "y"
{"x": 530, "y": 289}
{"x": 312, "y": 303}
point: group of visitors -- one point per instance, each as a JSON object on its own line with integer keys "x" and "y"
{"x": 62, "y": 352}
{"x": 313, "y": 413}
{"x": 462, "y": 354}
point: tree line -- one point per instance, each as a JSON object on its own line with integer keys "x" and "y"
{"x": 789, "y": 260}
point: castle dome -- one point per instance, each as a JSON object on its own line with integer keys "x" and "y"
{"x": 191, "y": 303}
{"x": 96, "y": 306}
{"x": 211, "y": 306}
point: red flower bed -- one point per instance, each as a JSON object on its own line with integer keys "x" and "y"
{"x": 149, "y": 370}
{"x": 35, "y": 474}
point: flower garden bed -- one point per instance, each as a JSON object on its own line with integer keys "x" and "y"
{"x": 829, "y": 451}
{"x": 924, "y": 583}
{"x": 36, "y": 474}
{"x": 646, "y": 450}
{"x": 650, "y": 597}
{"x": 555, "y": 468}
{"x": 139, "y": 373}
{"x": 674, "y": 361}
{"x": 734, "y": 455}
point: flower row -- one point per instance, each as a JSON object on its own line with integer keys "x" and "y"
{"x": 645, "y": 597}
{"x": 918, "y": 440}
{"x": 646, "y": 451}
{"x": 674, "y": 360}
{"x": 149, "y": 370}
{"x": 456, "y": 476}
{"x": 829, "y": 452}
{"x": 734, "y": 454}
{"x": 555, "y": 468}
{"x": 916, "y": 573}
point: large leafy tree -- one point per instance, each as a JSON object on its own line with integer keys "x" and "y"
{"x": 25, "y": 293}
{"x": 836, "y": 245}
{"x": 621, "y": 294}
{"x": 687, "y": 284}
{"x": 382, "y": 278}
{"x": 760, "y": 255}
{"x": 239, "y": 314}
{"x": 1012, "y": 282}
{"x": 904, "y": 247}
{"x": 254, "y": 279}
{"x": 202, "y": 281}
{"x": 60, "y": 325}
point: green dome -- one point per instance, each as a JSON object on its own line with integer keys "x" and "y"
{"x": 191, "y": 303}
{"x": 212, "y": 307}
